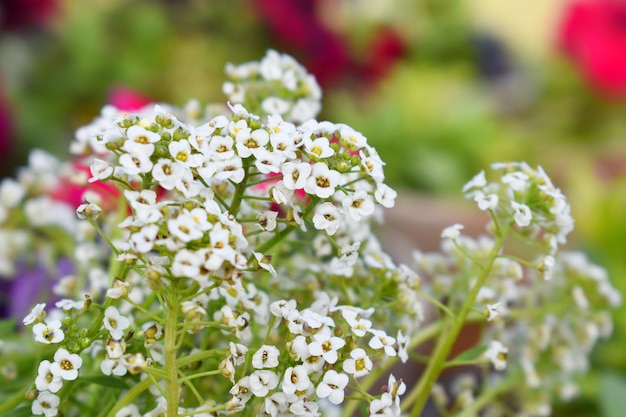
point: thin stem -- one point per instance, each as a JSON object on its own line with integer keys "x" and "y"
{"x": 171, "y": 368}
{"x": 487, "y": 396}
{"x": 421, "y": 391}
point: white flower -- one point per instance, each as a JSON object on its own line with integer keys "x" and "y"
{"x": 452, "y": 232}
{"x": 493, "y": 310}
{"x": 381, "y": 340}
{"x": 68, "y": 304}
{"x": 295, "y": 174}
{"x": 296, "y": 379}
{"x": 497, "y": 354}
{"x": 385, "y": 195}
{"x": 167, "y": 173}
{"x": 322, "y": 181}
{"x": 48, "y": 332}
{"x": 275, "y": 105}
{"x": 137, "y": 160}
{"x": 359, "y": 364}
{"x": 261, "y": 382}
{"x": 486, "y": 202}
{"x": 113, "y": 367}
{"x": 358, "y": 204}
{"x": 100, "y": 170}
{"x": 66, "y": 365}
{"x": 324, "y": 344}
{"x": 403, "y": 345}
{"x": 332, "y": 386}
{"x": 46, "y": 380}
{"x": 11, "y": 193}
{"x": 478, "y": 181}
{"x": 546, "y": 267}
{"x": 46, "y": 403}
{"x": 37, "y": 313}
{"x": 267, "y": 220}
{"x": 518, "y": 181}
{"x": 115, "y": 323}
{"x": 522, "y": 214}
{"x": 250, "y": 144}
{"x": 265, "y": 357}
{"x": 230, "y": 169}
{"x": 327, "y": 217}
{"x": 140, "y": 135}
{"x": 264, "y": 262}
{"x": 88, "y": 210}
{"x": 320, "y": 147}
{"x": 358, "y": 325}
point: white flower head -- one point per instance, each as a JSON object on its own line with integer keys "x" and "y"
{"x": 497, "y": 353}
{"x": 452, "y": 232}
{"x": 37, "y": 313}
{"x": 296, "y": 379}
{"x": 46, "y": 380}
{"x": 265, "y": 357}
{"x": 48, "y": 332}
{"x": 493, "y": 310}
{"x": 332, "y": 386}
{"x": 522, "y": 214}
{"x": 66, "y": 365}
{"x": 46, "y": 404}
{"x": 359, "y": 364}
{"x": 115, "y": 323}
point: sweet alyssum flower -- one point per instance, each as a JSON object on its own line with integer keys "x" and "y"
{"x": 49, "y": 332}
{"x": 66, "y": 365}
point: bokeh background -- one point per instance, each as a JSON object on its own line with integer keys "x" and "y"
{"x": 442, "y": 88}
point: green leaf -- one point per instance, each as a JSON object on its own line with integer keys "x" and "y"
{"x": 105, "y": 381}
{"x": 469, "y": 354}
{"x": 612, "y": 394}
{"x": 24, "y": 411}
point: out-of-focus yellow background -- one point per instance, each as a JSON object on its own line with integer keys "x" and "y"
{"x": 442, "y": 88}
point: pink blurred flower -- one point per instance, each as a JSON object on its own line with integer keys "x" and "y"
{"x": 593, "y": 34}
{"x": 127, "y": 99}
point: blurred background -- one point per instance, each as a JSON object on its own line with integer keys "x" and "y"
{"x": 442, "y": 88}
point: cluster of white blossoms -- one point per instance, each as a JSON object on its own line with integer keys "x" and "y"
{"x": 546, "y": 309}
{"x": 529, "y": 197}
{"x": 277, "y": 84}
{"x": 195, "y": 233}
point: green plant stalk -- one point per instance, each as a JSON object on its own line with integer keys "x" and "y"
{"x": 487, "y": 396}
{"x": 171, "y": 368}
{"x": 436, "y": 365}
{"x": 14, "y": 401}
{"x": 424, "y": 335}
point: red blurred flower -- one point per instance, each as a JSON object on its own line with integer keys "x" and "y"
{"x": 6, "y": 130}
{"x": 127, "y": 99}
{"x": 328, "y": 56}
{"x": 593, "y": 34}
{"x": 24, "y": 14}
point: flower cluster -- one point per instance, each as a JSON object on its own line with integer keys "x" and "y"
{"x": 226, "y": 263}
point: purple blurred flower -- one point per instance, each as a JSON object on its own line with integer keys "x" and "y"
{"x": 30, "y": 285}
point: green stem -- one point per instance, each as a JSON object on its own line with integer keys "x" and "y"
{"x": 240, "y": 190}
{"x": 424, "y": 335}
{"x": 421, "y": 391}
{"x": 171, "y": 368}
{"x": 14, "y": 401}
{"x": 487, "y": 396}
{"x": 130, "y": 396}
